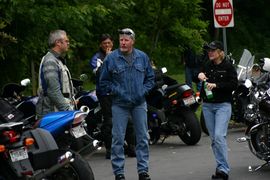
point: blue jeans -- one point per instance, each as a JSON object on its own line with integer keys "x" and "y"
{"x": 217, "y": 116}
{"x": 120, "y": 116}
{"x": 191, "y": 73}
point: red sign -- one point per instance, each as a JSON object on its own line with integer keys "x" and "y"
{"x": 223, "y": 13}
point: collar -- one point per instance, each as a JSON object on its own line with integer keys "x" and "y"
{"x": 58, "y": 56}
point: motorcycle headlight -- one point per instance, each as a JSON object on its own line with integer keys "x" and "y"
{"x": 250, "y": 106}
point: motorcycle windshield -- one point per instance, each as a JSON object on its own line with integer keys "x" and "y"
{"x": 245, "y": 65}
{"x": 56, "y": 122}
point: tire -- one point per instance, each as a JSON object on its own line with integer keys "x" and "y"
{"x": 190, "y": 131}
{"x": 79, "y": 169}
{"x": 203, "y": 126}
{"x": 259, "y": 142}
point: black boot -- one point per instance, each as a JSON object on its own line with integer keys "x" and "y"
{"x": 220, "y": 175}
{"x": 120, "y": 177}
{"x": 144, "y": 176}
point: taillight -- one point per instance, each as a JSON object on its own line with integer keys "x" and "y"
{"x": 187, "y": 93}
{"x": 28, "y": 141}
{"x": 11, "y": 136}
{"x": 79, "y": 118}
{"x": 174, "y": 102}
{"x": 2, "y": 148}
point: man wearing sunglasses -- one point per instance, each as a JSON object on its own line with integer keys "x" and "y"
{"x": 127, "y": 76}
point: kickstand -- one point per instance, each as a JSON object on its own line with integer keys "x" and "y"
{"x": 259, "y": 167}
{"x": 162, "y": 141}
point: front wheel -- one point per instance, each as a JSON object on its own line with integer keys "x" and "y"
{"x": 190, "y": 131}
{"x": 79, "y": 169}
{"x": 259, "y": 140}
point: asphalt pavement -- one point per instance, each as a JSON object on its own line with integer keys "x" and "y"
{"x": 173, "y": 160}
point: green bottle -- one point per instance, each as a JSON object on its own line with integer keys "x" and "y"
{"x": 208, "y": 93}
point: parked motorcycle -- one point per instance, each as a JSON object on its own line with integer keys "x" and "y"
{"x": 33, "y": 153}
{"x": 67, "y": 127}
{"x": 257, "y": 133}
{"x": 90, "y": 100}
{"x": 171, "y": 110}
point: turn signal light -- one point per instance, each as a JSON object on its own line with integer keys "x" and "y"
{"x": 174, "y": 102}
{"x": 2, "y": 148}
{"x": 29, "y": 141}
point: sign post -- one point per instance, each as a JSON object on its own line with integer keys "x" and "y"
{"x": 223, "y": 17}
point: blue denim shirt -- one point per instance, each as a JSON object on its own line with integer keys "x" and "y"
{"x": 128, "y": 83}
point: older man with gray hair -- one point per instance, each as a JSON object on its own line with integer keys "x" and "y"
{"x": 127, "y": 75}
{"x": 55, "y": 85}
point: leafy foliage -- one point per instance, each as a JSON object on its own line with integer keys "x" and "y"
{"x": 163, "y": 30}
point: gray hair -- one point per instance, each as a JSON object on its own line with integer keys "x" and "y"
{"x": 56, "y": 35}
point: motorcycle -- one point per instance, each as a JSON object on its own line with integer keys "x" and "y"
{"x": 33, "y": 153}
{"x": 171, "y": 110}
{"x": 67, "y": 127}
{"x": 257, "y": 133}
{"x": 90, "y": 100}
{"x": 240, "y": 97}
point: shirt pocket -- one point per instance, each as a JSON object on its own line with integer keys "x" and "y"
{"x": 140, "y": 71}
{"x": 221, "y": 75}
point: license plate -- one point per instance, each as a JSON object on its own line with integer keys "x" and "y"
{"x": 189, "y": 100}
{"x": 78, "y": 131}
{"x": 18, "y": 154}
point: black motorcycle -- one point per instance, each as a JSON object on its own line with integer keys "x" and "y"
{"x": 33, "y": 153}
{"x": 257, "y": 117}
{"x": 171, "y": 111}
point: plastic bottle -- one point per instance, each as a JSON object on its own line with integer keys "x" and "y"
{"x": 208, "y": 93}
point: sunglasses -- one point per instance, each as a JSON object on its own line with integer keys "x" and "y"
{"x": 125, "y": 32}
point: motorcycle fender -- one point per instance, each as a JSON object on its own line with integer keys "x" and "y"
{"x": 253, "y": 128}
{"x": 183, "y": 88}
{"x": 42, "y": 152}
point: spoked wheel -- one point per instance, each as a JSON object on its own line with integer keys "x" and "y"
{"x": 203, "y": 126}
{"x": 190, "y": 131}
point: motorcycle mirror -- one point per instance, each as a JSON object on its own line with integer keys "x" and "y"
{"x": 248, "y": 83}
{"x": 266, "y": 64}
{"x": 164, "y": 70}
{"x": 25, "y": 82}
{"x": 83, "y": 77}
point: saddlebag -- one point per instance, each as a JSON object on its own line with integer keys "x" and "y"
{"x": 43, "y": 154}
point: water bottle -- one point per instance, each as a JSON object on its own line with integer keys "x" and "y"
{"x": 209, "y": 93}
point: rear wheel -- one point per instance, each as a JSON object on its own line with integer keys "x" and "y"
{"x": 203, "y": 126}
{"x": 79, "y": 169}
{"x": 190, "y": 131}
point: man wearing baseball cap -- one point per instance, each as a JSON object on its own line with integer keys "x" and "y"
{"x": 127, "y": 76}
{"x": 220, "y": 77}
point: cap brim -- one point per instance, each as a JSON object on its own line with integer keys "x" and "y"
{"x": 210, "y": 47}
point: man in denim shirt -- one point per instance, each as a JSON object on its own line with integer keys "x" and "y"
{"x": 127, "y": 75}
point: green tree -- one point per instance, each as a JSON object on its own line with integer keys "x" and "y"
{"x": 163, "y": 29}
